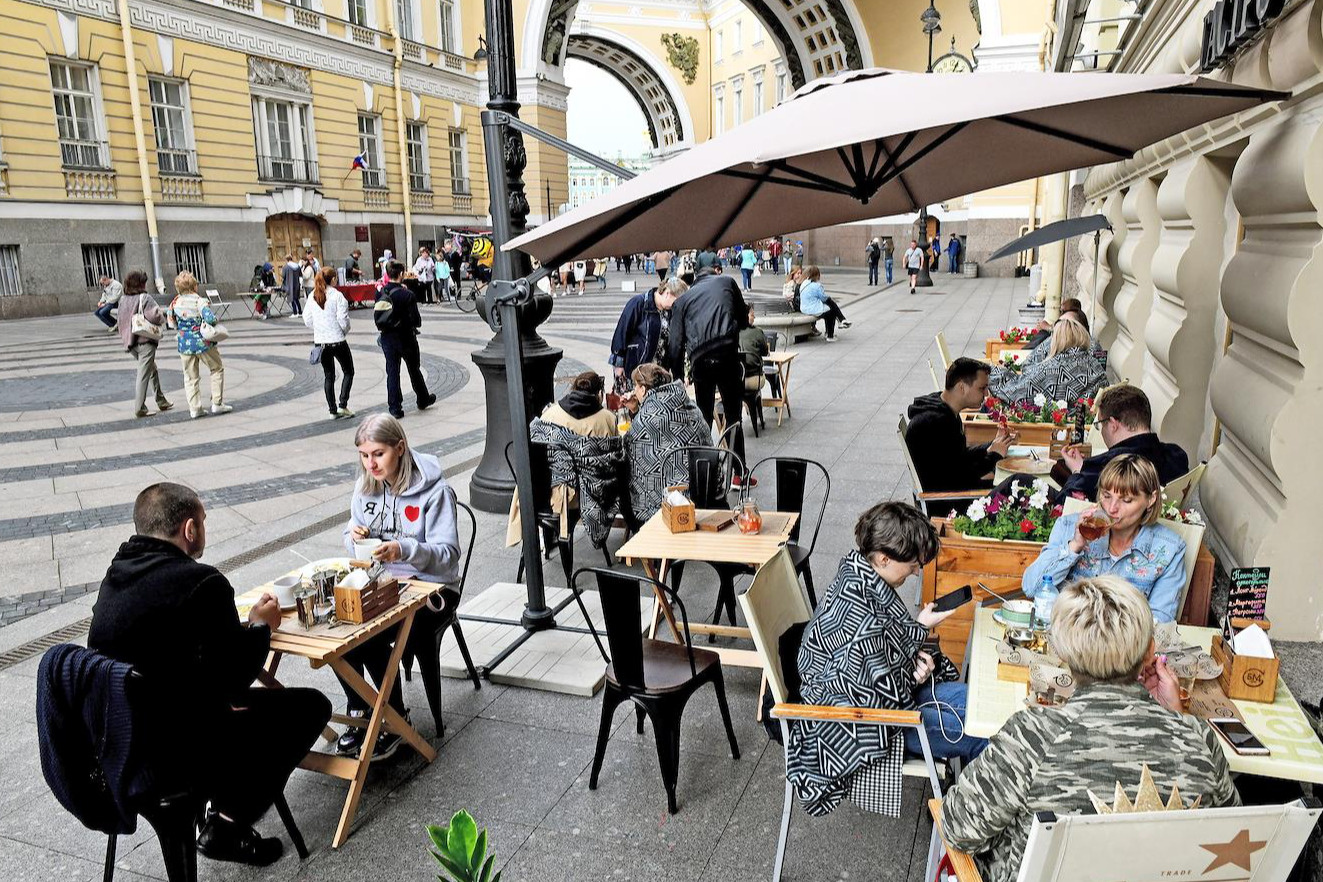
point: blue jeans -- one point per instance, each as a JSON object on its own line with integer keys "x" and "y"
{"x": 890, "y": 265}
{"x": 951, "y": 717}
{"x": 103, "y": 313}
{"x": 748, "y": 278}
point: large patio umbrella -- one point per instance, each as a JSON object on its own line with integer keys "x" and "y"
{"x": 1056, "y": 232}
{"x": 872, "y": 143}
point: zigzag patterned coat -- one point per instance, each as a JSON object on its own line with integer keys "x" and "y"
{"x": 598, "y": 461}
{"x": 1069, "y": 376}
{"x": 859, "y": 650}
{"x": 667, "y": 419}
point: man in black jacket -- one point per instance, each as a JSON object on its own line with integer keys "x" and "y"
{"x": 1124, "y": 419}
{"x": 936, "y": 435}
{"x": 397, "y": 318}
{"x": 706, "y": 322}
{"x": 174, "y": 620}
{"x": 638, "y": 336}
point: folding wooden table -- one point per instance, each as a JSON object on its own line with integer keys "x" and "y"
{"x": 657, "y": 548}
{"x": 782, "y": 362}
{"x": 326, "y": 646}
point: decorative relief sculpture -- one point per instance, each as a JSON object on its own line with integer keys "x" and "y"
{"x": 278, "y": 75}
{"x": 682, "y": 53}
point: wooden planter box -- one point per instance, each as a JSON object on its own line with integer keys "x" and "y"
{"x": 993, "y": 347}
{"x": 981, "y": 428}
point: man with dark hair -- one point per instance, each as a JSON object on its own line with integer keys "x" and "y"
{"x": 175, "y": 621}
{"x": 1124, "y": 418}
{"x": 936, "y": 435}
{"x": 397, "y": 318}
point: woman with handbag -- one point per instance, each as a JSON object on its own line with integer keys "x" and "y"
{"x": 199, "y": 332}
{"x": 140, "y": 321}
{"x": 327, "y": 313}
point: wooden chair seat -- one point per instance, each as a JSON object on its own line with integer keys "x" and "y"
{"x": 666, "y": 665}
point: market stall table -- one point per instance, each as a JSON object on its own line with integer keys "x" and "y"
{"x": 323, "y": 646}
{"x": 657, "y": 548}
{"x": 1296, "y": 753}
{"x": 363, "y": 293}
{"x": 782, "y": 362}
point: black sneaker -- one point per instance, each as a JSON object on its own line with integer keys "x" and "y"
{"x": 387, "y": 744}
{"x": 427, "y": 402}
{"x": 349, "y": 743}
{"x": 223, "y": 840}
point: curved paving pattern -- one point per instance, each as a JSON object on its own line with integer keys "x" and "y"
{"x": 74, "y": 388}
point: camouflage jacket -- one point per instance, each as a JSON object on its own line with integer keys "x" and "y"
{"x": 1046, "y": 759}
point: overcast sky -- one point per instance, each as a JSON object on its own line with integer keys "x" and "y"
{"x": 603, "y": 117}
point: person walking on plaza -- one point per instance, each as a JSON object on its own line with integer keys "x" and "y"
{"x": 888, "y": 257}
{"x": 425, "y": 268}
{"x": 705, "y": 325}
{"x": 291, "y": 284}
{"x": 873, "y": 254}
{"x": 327, "y": 313}
{"x": 309, "y": 267}
{"x": 748, "y": 263}
{"x": 813, "y": 300}
{"x": 799, "y": 254}
{"x": 953, "y": 254}
{"x": 173, "y": 619}
{"x": 353, "y": 272}
{"x": 641, "y": 330}
{"x": 914, "y": 258}
{"x": 189, "y": 313}
{"x": 141, "y": 342}
{"x": 775, "y": 250}
{"x": 662, "y": 261}
{"x": 787, "y": 255}
{"x": 443, "y": 280}
{"x": 111, "y": 291}
{"x": 397, "y": 318}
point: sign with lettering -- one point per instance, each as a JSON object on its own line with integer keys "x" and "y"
{"x": 1231, "y": 24}
{"x": 1248, "y": 598}
{"x": 360, "y": 234}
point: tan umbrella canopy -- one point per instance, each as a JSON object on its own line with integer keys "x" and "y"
{"x": 873, "y": 143}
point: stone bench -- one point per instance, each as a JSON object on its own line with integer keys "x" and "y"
{"x": 794, "y": 325}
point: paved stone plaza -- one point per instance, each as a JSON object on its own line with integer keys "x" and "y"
{"x": 276, "y": 477}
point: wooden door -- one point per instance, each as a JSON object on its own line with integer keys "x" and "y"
{"x": 382, "y": 239}
{"x": 291, "y": 234}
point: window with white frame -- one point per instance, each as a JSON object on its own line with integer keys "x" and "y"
{"x": 369, "y": 145}
{"x": 758, "y": 92}
{"x": 720, "y": 41}
{"x": 718, "y": 112}
{"x": 759, "y": 32}
{"x": 739, "y": 36}
{"x": 404, "y": 18}
{"x": 737, "y": 94}
{"x": 780, "y": 86}
{"x": 448, "y": 27}
{"x": 459, "y": 163}
{"x": 192, "y": 256}
{"x": 285, "y": 149}
{"x": 172, "y": 123}
{"x": 358, "y": 13}
{"x": 415, "y": 139}
{"x": 98, "y": 261}
{"x": 11, "y": 280}
{"x": 78, "y": 115}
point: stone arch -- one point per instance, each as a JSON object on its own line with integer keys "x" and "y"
{"x": 653, "y": 86}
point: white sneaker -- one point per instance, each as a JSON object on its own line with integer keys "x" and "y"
{"x": 197, "y": 414}
{"x": 831, "y": 339}
{"x": 221, "y": 408}
{"x": 844, "y": 324}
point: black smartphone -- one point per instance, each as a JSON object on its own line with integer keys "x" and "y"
{"x": 1239, "y": 736}
{"x": 956, "y": 598}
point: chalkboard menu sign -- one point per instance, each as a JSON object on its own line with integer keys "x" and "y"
{"x": 1248, "y": 598}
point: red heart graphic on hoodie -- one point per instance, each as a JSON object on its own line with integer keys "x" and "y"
{"x": 412, "y": 511}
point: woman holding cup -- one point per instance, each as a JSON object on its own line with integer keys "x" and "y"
{"x": 1119, "y": 536}
{"x": 403, "y": 515}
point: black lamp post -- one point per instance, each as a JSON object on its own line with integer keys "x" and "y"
{"x": 932, "y": 26}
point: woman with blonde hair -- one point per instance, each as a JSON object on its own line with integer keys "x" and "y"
{"x": 813, "y": 300}
{"x": 327, "y": 313}
{"x": 667, "y": 418}
{"x": 1134, "y": 547}
{"x": 189, "y": 312}
{"x": 1070, "y": 371}
{"x": 1124, "y": 716}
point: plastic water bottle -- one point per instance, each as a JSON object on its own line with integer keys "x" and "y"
{"x": 1044, "y": 600}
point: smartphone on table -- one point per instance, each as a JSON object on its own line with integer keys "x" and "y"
{"x": 953, "y": 599}
{"x": 1238, "y": 735}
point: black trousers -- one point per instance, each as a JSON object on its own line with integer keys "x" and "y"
{"x": 832, "y": 316}
{"x": 332, "y": 353}
{"x": 373, "y": 656}
{"x": 872, "y": 272}
{"x": 723, "y": 374}
{"x": 402, "y": 348}
{"x": 278, "y": 726}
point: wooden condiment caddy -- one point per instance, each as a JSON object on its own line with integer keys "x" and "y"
{"x": 678, "y": 518}
{"x": 1243, "y": 677}
{"x": 359, "y": 605}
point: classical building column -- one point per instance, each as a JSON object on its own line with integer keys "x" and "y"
{"x": 1084, "y": 273}
{"x": 1263, "y": 486}
{"x": 1134, "y": 297}
{"x": 1053, "y": 256}
{"x": 1105, "y": 325}
{"x": 1185, "y": 270}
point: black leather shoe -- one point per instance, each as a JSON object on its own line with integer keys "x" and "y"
{"x": 427, "y": 402}
{"x": 223, "y": 840}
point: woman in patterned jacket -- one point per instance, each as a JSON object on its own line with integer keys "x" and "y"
{"x": 1070, "y": 371}
{"x": 1124, "y": 716}
{"x": 667, "y": 418}
{"x": 863, "y": 648}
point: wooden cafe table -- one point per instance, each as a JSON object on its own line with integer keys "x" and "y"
{"x": 1296, "y": 753}
{"x": 657, "y": 548}
{"x": 326, "y": 646}
{"x": 781, "y": 360}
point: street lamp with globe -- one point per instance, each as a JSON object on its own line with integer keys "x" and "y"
{"x": 932, "y": 26}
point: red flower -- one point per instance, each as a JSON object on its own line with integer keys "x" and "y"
{"x": 1026, "y": 526}
{"x": 994, "y": 504}
{"x": 1058, "y": 416}
{"x": 1056, "y": 511}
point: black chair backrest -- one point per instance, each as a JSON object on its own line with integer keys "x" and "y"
{"x": 468, "y": 554}
{"x": 791, "y": 483}
{"x": 541, "y": 463}
{"x": 618, "y": 591}
{"x": 710, "y": 470}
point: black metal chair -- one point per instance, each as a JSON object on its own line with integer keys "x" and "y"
{"x": 656, "y": 675}
{"x": 175, "y": 813}
{"x": 429, "y": 629}
{"x": 792, "y": 474}
{"x": 548, "y": 520}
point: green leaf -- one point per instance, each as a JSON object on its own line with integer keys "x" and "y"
{"x": 487, "y": 870}
{"x": 479, "y": 852}
{"x": 438, "y": 836}
{"x": 459, "y": 872}
{"x": 463, "y": 836}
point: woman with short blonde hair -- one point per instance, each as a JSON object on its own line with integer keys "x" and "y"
{"x": 1069, "y": 373}
{"x": 813, "y": 300}
{"x": 190, "y": 312}
{"x": 1102, "y": 630}
{"x": 1068, "y": 334}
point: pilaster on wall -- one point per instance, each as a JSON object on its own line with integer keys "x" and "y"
{"x": 1134, "y": 298}
{"x": 1084, "y": 272}
{"x": 1185, "y": 269}
{"x": 1263, "y": 486}
{"x": 1105, "y": 325}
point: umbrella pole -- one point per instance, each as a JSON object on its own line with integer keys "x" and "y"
{"x": 925, "y": 279}
{"x": 1093, "y": 300}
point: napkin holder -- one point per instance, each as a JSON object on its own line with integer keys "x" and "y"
{"x": 1244, "y": 677}
{"x": 359, "y": 605}
{"x": 679, "y": 518}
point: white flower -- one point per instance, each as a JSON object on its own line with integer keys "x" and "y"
{"x": 1040, "y": 399}
{"x": 1039, "y": 499}
{"x": 1061, "y": 404}
{"x": 977, "y": 510}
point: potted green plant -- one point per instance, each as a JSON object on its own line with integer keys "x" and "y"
{"x": 461, "y": 849}
{"x": 1026, "y": 515}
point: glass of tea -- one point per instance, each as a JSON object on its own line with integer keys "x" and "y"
{"x": 1094, "y": 524}
{"x": 748, "y": 517}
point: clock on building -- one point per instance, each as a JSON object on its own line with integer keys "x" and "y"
{"x": 952, "y": 62}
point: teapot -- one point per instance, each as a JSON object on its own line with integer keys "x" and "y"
{"x": 748, "y": 517}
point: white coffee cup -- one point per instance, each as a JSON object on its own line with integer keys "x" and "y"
{"x": 363, "y": 548}
{"x": 284, "y": 588}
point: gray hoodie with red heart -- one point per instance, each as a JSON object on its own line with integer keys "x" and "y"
{"x": 421, "y": 519}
